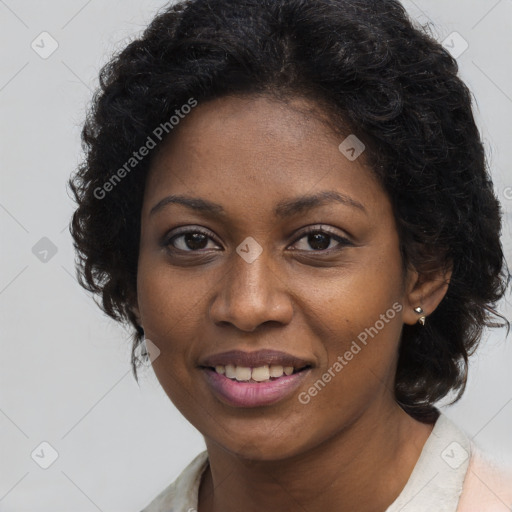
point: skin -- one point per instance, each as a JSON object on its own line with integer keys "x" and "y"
{"x": 351, "y": 447}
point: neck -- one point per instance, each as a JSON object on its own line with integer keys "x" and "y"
{"x": 364, "y": 467}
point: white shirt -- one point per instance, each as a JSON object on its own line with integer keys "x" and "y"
{"x": 449, "y": 476}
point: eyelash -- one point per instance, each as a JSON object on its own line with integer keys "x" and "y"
{"x": 343, "y": 241}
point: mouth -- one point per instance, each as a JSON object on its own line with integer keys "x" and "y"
{"x": 252, "y": 379}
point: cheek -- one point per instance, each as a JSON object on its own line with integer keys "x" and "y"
{"x": 165, "y": 298}
{"x": 169, "y": 310}
{"x": 360, "y": 342}
{"x": 358, "y": 363}
{"x": 358, "y": 317}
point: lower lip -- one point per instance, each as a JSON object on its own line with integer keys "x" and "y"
{"x": 253, "y": 394}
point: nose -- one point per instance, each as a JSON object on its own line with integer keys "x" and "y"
{"x": 251, "y": 294}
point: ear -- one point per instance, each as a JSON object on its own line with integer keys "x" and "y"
{"x": 426, "y": 290}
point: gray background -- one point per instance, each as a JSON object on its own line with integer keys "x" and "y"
{"x": 64, "y": 369}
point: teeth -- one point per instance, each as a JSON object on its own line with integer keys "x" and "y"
{"x": 230, "y": 371}
{"x": 260, "y": 374}
{"x": 242, "y": 373}
{"x": 276, "y": 370}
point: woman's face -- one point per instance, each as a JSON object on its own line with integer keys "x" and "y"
{"x": 236, "y": 270}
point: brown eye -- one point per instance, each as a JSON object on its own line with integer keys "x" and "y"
{"x": 320, "y": 240}
{"x": 189, "y": 241}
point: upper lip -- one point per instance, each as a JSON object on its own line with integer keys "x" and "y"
{"x": 254, "y": 359}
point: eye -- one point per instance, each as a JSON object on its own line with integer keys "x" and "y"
{"x": 320, "y": 239}
{"x": 189, "y": 241}
{"x": 317, "y": 238}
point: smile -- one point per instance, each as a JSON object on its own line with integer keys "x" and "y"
{"x": 254, "y": 379}
{"x": 252, "y": 393}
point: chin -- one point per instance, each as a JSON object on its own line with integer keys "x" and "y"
{"x": 261, "y": 449}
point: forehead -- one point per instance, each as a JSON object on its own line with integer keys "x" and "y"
{"x": 256, "y": 150}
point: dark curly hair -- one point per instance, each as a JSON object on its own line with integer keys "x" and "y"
{"x": 375, "y": 73}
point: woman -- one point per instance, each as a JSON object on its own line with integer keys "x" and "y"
{"x": 288, "y": 200}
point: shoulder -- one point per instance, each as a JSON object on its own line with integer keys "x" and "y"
{"x": 487, "y": 486}
{"x": 452, "y": 474}
{"x": 182, "y": 494}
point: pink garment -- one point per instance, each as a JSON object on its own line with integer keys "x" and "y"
{"x": 487, "y": 487}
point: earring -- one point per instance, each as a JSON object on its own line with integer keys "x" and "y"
{"x": 422, "y": 318}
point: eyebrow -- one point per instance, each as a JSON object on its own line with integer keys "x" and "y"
{"x": 283, "y": 209}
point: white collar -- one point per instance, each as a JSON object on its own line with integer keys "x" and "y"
{"x": 438, "y": 477}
